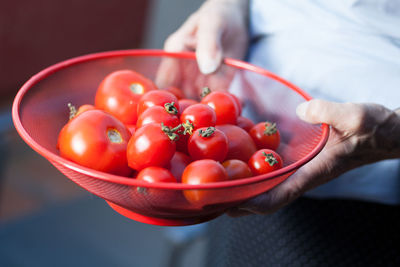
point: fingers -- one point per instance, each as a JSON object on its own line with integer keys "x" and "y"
{"x": 209, "y": 49}
{"x": 169, "y": 71}
{"x": 184, "y": 38}
{"x": 319, "y": 111}
{"x": 314, "y": 173}
{"x": 341, "y": 116}
{"x": 272, "y": 200}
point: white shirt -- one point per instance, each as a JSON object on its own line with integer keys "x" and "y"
{"x": 339, "y": 50}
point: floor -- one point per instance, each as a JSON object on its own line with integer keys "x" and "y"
{"x": 47, "y": 220}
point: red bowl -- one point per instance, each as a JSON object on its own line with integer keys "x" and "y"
{"x": 39, "y": 112}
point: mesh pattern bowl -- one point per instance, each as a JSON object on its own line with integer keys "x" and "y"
{"x": 40, "y": 111}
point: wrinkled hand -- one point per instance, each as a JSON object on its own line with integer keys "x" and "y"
{"x": 216, "y": 30}
{"x": 360, "y": 134}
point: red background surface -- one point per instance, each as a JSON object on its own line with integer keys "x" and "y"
{"x": 37, "y": 34}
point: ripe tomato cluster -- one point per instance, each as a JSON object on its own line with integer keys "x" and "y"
{"x": 135, "y": 129}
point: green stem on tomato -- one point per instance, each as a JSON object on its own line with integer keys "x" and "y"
{"x": 205, "y": 91}
{"x": 171, "y": 132}
{"x": 270, "y": 128}
{"x": 72, "y": 111}
{"x": 270, "y": 159}
{"x": 188, "y": 127}
{"x": 170, "y": 108}
{"x": 207, "y": 132}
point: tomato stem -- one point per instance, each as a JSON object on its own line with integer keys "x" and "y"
{"x": 188, "y": 127}
{"x": 205, "y": 91}
{"x": 170, "y": 108}
{"x": 270, "y": 128}
{"x": 270, "y": 159}
{"x": 207, "y": 132}
{"x": 114, "y": 136}
{"x": 141, "y": 190}
{"x": 171, "y": 132}
{"x": 72, "y": 111}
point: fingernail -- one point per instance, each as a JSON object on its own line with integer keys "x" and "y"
{"x": 208, "y": 64}
{"x": 301, "y": 110}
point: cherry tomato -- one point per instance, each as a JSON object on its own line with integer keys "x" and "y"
{"x": 84, "y": 108}
{"x": 245, "y": 123}
{"x": 240, "y": 144}
{"x": 182, "y": 142}
{"x": 265, "y": 135}
{"x": 150, "y": 146}
{"x": 237, "y": 169}
{"x": 201, "y": 172}
{"x": 184, "y": 103}
{"x": 208, "y": 143}
{"x": 224, "y": 105}
{"x": 158, "y": 114}
{"x": 96, "y": 140}
{"x": 178, "y": 164}
{"x": 157, "y": 98}
{"x": 73, "y": 112}
{"x": 119, "y": 94}
{"x": 199, "y": 115}
{"x": 265, "y": 161}
{"x": 156, "y": 175}
{"x": 175, "y": 91}
{"x": 238, "y": 103}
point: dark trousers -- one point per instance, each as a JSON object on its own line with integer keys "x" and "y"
{"x": 309, "y": 232}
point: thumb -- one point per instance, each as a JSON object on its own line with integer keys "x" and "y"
{"x": 209, "y": 49}
{"x": 342, "y": 116}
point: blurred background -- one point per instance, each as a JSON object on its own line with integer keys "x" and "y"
{"x": 46, "y": 219}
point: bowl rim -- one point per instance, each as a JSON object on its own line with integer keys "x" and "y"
{"x": 54, "y": 158}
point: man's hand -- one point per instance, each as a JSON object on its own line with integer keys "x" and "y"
{"x": 360, "y": 134}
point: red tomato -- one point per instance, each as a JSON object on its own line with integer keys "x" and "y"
{"x": 208, "y": 143}
{"x": 224, "y": 105}
{"x": 240, "y": 144}
{"x": 157, "y": 114}
{"x": 199, "y": 115}
{"x": 245, "y": 123}
{"x": 182, "y": 142}
{"x": 238, "y": 103}
{"x": 178, "y": 164}
{"x": 84, "y": 108}
{"x": 265, "y": 135}
{"x": 158, "y": 98}
{"x": 201, "y": 172}
{"x": 184, "y": 103}
{"x": 265, "y": 161}
{"x": 73, "y": 112}
{"x": 150, "y": 146}
{"x": 96, "y": 140}
{"x": 237, "y": 169}
{"x": 175, "y": 91}
{"x": 156, "y": 175}
{"x": 119, "y": 94}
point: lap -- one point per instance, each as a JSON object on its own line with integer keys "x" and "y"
{"x": 309, "y": 233}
